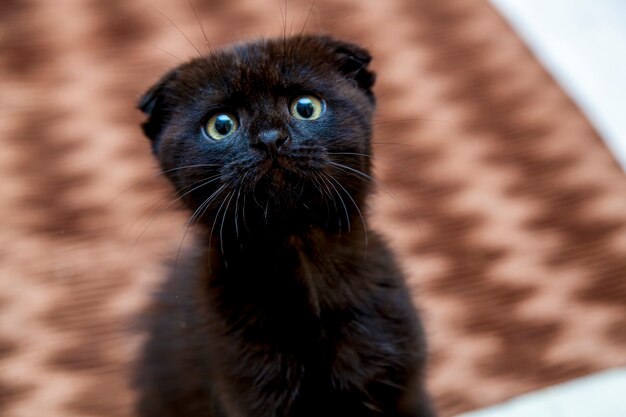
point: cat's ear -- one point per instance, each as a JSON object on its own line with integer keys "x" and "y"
{"x": 155, "y": 103}
{"x": 353, "y": 61}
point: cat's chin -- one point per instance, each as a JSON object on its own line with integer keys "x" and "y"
{"x": 286, "y": 189}
{"x": 276, "y": 179}
{"x": 280, "y": 184}
{"x": 279, "y": 175}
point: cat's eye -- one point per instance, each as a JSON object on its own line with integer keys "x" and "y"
{"x": 221, "y": 125}
{"x": 306, "y": 108}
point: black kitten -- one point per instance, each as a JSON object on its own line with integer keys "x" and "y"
{"x": 290, "y": 305}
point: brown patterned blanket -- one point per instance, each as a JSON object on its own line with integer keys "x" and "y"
{"x": 507, "y": 209}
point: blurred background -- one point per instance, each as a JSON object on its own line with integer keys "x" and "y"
{"x": 507, "y": 209}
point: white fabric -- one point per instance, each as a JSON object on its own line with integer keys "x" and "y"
{"x": 599, "y": 395}
{"x": 583, "y": 44}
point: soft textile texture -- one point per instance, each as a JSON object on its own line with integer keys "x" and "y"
{"x": 507, "y": 210}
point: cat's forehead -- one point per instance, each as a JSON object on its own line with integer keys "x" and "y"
{"x": 263, "y": 65}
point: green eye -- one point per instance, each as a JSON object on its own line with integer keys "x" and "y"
{"x": 221, "y": 125}
{"x": 306, "y": 108}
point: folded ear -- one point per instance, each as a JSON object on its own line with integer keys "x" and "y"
{"x": 353, "y": 61}
{"x": 156, "y": 103}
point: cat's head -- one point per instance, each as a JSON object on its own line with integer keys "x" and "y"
{"x": 279, "y": 129}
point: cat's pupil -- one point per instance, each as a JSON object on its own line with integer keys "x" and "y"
{"x": 305, "y": 107}
{"x": 224, "y": 124}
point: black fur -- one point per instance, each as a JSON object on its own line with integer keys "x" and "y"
{"x": 289, "y": 305}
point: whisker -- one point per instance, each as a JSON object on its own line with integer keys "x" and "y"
{"x": 356, "y": 172}
{"x": 292, "y": 20}
{"x": 237, "y": 213}
{"x": 195, "y": 12}
{"x": 156, "y": 203}
{"x": 286, "y": 15}
{"x": 345, "y": 208}
{"x": 351, "y": 153}
{"x": 380, "y": 185}
{"x": 240, "y": 187}
{"x": 158, "y": 211}
{"x": 213, "y": 226}
{"x": 259, "y": 205}
{"x": 166, "y": 52}
{"x": 409, "y": 120}
{"x": 357, "y": 209}
{"x": 188, "y": 226}
{"x": 339, "y": 19}
{"x": 243, "y": 212}
{"x": 223, "y": 220}
{"x": 161, "y": 212}
{"x": 394, "y": 143}
{"x": 361, "y": 154}
{"x": 387, "y": 161}
{"x": 156, "y": 174}
{"x": 332, "y": 199}
{"x": 318, "y": 185}
{"x": 205, "y": 204}
{"x": 176, "y": 26}
{"x": 284, "y": 21}
{"x": 308, "y": 15}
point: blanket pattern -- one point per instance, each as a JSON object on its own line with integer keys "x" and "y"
{"x": 507, "y": 210}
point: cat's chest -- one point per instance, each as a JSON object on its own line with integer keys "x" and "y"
{"x": 332, "y": 349}
{"x": 332, "y": 354}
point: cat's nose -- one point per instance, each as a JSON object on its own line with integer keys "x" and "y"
{"x": 270, "y": 140}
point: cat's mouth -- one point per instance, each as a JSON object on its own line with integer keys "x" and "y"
{"x": 278, "y": 167}
{"x": 276, "y": 172}
{"x": 282, "y": 174}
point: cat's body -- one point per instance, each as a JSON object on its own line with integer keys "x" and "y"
{"x": 289, "y": 305}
